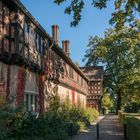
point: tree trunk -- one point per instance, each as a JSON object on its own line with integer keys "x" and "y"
{"x": 119, "y": 99}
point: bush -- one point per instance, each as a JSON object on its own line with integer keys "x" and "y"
{"x": 81, "y": 125}
{"x": 91, "y": 114}
{"x": 58, "y": 123}
{"x": 48, "y": 126}
{"x": 132, "y": 107}
{"x": 132, "y": 128}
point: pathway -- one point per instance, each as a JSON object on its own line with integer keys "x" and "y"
{"x": 109, "y": 127}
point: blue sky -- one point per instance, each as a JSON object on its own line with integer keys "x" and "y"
{"x": 94, "y": 22}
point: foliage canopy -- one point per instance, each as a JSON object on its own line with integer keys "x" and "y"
{"x": 125, "y": 10}
{"x": 119, "y": 52}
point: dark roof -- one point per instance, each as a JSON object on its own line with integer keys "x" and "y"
{"x": 94, "y": 73}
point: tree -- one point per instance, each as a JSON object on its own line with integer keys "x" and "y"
{"x": 125, "y": 10}
{"x": 119, "y": 52}
{"x": 107, "y": 102}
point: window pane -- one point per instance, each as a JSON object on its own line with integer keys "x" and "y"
{"x": 6, "y": 29}
{"x": 40, "y": 44}
{"x": 12, "y": 46}
{"x": 21, "y": 18}
{"x": 12, "y": 17}
{"x": 27, "y": 103}
{"x": 37, "y": 40}
{"x": 6, "y": 45}
{"x": 21, "y": 51}
{"x": 26, "y": 33}
{"x": 0, "y": 18}
{"x": 1, "y": 35}
{"x": 36, "y": 104}
{"x": 0, "y": 7}
{"x": 32, "y": 36}
{"x": 31, "y": 101}
{"x": 26, "y": 52}
{"x": 12, "y": 32}
{"x": 21, "y": 34}
{"x": 6, "y": 15}
{"x": 35, "y": 36}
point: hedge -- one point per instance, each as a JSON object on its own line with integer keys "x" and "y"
{"x": 132, "y": 128}
{"x": 122, "y": 115}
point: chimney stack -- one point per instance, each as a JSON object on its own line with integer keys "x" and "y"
{"x": 65, "y": 47}
{"x": 55, "y": 29}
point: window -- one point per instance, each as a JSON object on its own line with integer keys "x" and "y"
{"x": 40, "y": 44}
{"x": 1, "y": 73}
{"x": 26, "y": 31}
{"x": 35, "y": 37}
{"x": 81, "y": 81}
{"x": 1, "y": 30}
{"x": 20, "y": 34}
{"x": 6, "y": 14}
{"x": 4, "y": 26}
{"x": 77, "y": 77}
{"x": 1, "y": 20}
{"x": 6, "y": 29}
{"x": 6, "y": 45}
{"x": 12, "y": 32}
{"x": 44, "y": 45}
{"x": 1, "y": 11}
{"x": 37, "y": 42}
{"x": 12, "y": 17}
{"x": 30, "y": 36}
{"x": 21, "y": 19}
{"x": 70, "y": 72}
{"x": 31, "y": 100}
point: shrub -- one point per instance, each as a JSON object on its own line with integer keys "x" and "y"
{"x": 48, "y": 126}
{"x": 81, "y": 125}
{"x": 132, "y": 107}
{"x": 58, "y": 123}
{"x": 91, "y": 114}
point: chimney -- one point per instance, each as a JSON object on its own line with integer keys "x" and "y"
{"x": 65, "y": 46}
{"x": 55, "y": 29}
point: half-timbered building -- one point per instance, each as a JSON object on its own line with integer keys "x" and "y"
{"x": 95, "y": 85}
{"x": 32, "y": 63}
